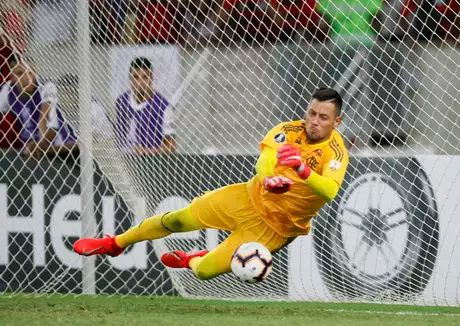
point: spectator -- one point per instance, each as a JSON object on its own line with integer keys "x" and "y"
{"x": 144, "y": 117}
{"x": 352, "y": 34}
{"x": 9, "y": 135}
{"x": 394, "y": 20}
{"x": 450, "y": 21}
{"x": 15, "y": 20}
{"x": 351, "y": 22}
{"x": 264, "y": 20}
{"x": 158, "y": 21}
{"x": 35, "y": 104}
{"x": 294, "y": 15}
{"x": 108, "y": 20}
{"x": 246, "y": 20}
{"x": 197, "y": 22}
{"x": 431, "y": 18}
{"x": 9, "y": 132}
{"x": 6, "y": 51}
{"x": 351, "y": 27}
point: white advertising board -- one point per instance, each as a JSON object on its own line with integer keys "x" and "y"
{"x": 414, "y": 258}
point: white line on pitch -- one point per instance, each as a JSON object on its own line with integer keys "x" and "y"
{"x": 403, "y": 313}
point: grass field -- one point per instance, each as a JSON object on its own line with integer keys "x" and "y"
{"x": 122, "y": 311}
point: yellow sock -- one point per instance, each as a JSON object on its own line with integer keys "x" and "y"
{"x": 148, "y": 229}
{"x": 180, "y": 220}
{"x": 194, "y": 262}
{"x": 206, "y": 267}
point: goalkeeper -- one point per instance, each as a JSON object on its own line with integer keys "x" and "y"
{"x": 301, "y": 167}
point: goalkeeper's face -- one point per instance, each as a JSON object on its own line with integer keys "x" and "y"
{"x": 320, "y": 119}
{"x": 141, "y": 81}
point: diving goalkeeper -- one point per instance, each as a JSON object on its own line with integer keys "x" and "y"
{"x": 301, "y": 167}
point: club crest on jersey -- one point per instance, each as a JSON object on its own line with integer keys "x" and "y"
{"x": 334, "y": 165}
{"x": 280, "y": 138}
{"x": 312, "y": 162}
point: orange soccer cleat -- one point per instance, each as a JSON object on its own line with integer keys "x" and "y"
{"x": 180, "y": 259}
{"x": 92, "y": 246}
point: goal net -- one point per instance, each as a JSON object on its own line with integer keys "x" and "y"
{"x": 225, "y": 73}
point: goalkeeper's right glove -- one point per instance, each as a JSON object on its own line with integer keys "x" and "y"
{"x": 289, "y": 155}
{"x": 277, "y": 184}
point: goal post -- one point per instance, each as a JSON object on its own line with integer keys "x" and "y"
{"x": 228, "y": 72}
{"x": 89, "y": 228}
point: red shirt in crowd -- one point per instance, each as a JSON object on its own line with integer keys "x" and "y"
{"x": 156, "y": 22}
{"x": 449, "y": 9}
{"x": 298, "y": 14}
{"x": 9, "y": 132}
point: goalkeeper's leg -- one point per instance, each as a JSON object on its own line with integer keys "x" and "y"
{"x": 155, "y": 227}
{"x": 228, "y": 208}
{"x": 218, "y": 261}
{"x": 218, "y": 209}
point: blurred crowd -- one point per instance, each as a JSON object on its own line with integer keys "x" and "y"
{"x": 224, "y": 21}
{"x": 346, "y": 24}
{"x": 32, "y": 120}
{"x": 189, "y": 22}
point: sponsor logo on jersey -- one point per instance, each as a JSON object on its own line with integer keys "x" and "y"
{"x": 289, "y": 127}
{"x": 335, "y": 165}
{"x": 280, "y": 138}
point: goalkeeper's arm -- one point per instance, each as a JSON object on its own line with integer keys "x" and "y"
{"x": 265, "y": 166}
{"x": 325, "y": 187}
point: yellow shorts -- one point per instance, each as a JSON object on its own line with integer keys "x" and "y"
{"x": 230, "y": 208}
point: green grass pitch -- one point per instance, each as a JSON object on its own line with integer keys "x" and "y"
{"x": 123, "y": 311}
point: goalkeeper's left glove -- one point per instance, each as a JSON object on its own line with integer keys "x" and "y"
{"x": 277, "y": 184}
{"x": 289, "y": 155}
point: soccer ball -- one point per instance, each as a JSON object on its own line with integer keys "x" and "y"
{"x": 251, "y": 262}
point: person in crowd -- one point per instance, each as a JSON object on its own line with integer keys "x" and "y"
{"x": 145, "y": 119}
{"x": 34, "y": 102}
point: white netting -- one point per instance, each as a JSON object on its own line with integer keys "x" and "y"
{"x": 230, "y": 70}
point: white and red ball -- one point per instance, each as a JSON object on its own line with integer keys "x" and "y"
{"x": 251, "y": 262}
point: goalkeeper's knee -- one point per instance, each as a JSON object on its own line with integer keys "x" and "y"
{"x": 180, "y": 220}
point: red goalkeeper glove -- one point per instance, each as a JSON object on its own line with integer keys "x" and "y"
{"x": 289, "y": 155}
{"x": 277, "y": 184}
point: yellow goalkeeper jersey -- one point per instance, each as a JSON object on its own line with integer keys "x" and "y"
{"x": 289, "y": 214}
